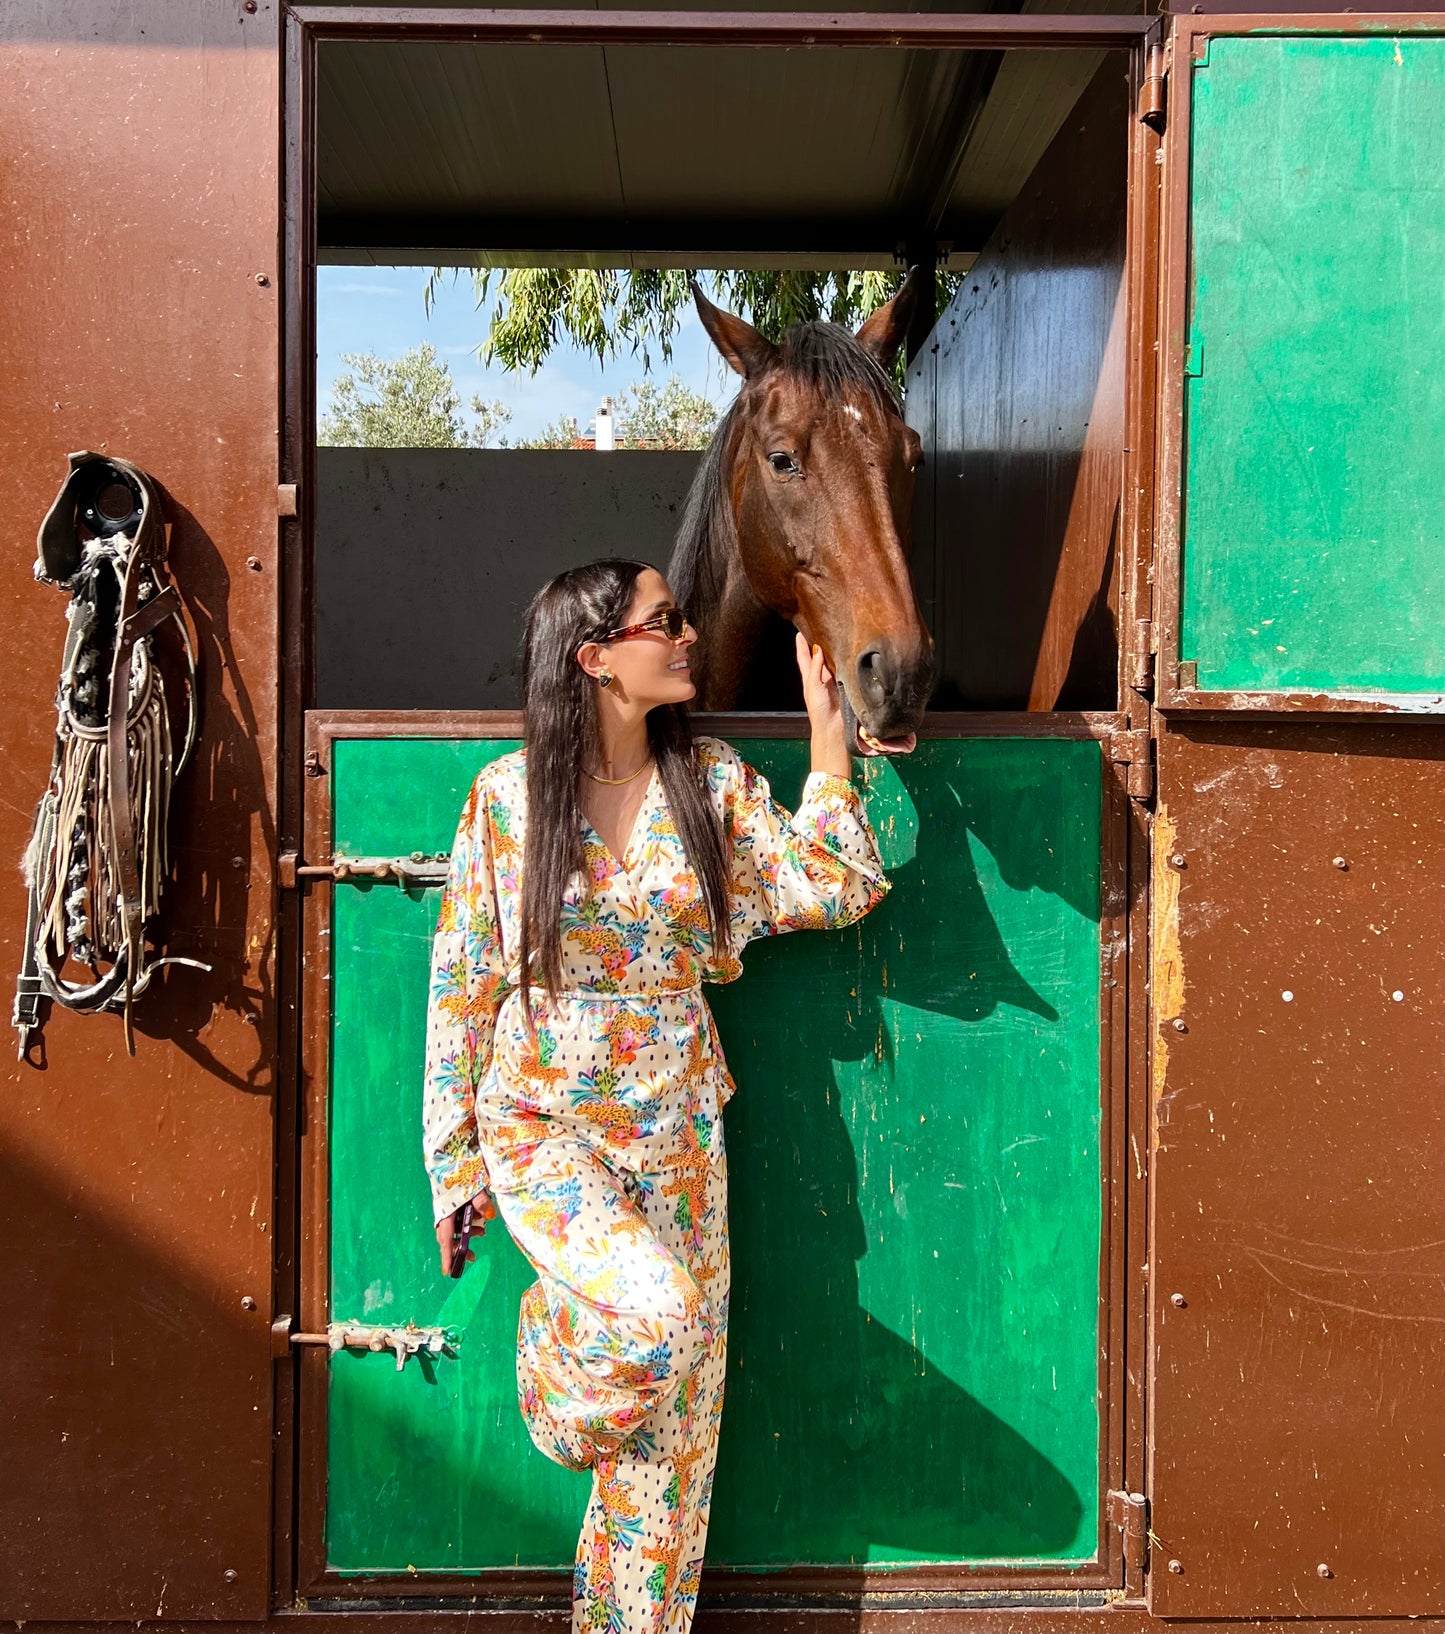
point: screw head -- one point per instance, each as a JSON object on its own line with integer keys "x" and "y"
{"x": 254, "y": 563}
{"x": 1323, "y": 1570}
{"x": 249, "y": 7}
{"x": 1178, "y": 1301}
{"x": 1178, "y": 860}
{"x": 247, "y": 1303}
{"x": 1340, "y": 863}
{"x": 1179, "y": 1024}
{"x": 230, "y": 1575}
{"x": 262, "y": 279}
{"x": 1176, "y": 1566}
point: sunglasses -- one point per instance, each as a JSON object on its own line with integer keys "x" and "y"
{"x": 672, "y": 622}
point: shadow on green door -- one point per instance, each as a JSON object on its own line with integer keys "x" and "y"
{"x": 915, "y": 1198}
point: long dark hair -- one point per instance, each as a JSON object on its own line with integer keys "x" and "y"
{"x": 559, "y": 707}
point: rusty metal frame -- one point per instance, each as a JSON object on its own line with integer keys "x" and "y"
{"x": 907, "y": 1590}
{"x": 916, "y": 31}
{"x": 812, "y": 1597}
{"x": 1176, "y": 687}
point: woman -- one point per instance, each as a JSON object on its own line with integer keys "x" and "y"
{"x": 620, "y": 865}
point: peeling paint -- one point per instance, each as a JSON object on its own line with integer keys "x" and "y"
{"x": 1166, "y": 957}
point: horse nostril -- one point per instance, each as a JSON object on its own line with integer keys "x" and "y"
{"x": 873, "y": 675}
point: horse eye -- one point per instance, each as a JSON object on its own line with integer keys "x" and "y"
{"x": 784, "y": 465}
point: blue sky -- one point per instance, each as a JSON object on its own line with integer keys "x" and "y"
{"x": 379, "y": 309}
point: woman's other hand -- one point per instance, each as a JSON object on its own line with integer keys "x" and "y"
{"x": 825, "y": 712}
{"x": 483, "y": 1209}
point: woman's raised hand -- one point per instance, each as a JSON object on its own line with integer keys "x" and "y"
{"x": 825, "y": 712}
{"x": 483, "y": 1209}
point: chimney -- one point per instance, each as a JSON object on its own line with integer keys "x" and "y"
{"x": 606, "y": 440}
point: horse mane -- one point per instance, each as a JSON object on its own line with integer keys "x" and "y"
{"x": 829, "y": 360}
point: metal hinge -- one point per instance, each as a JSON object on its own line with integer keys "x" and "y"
{"x": 403, "y": 1343}
{"x": 421, "y": 868}
{"x": 1135, "y": 749}
{"x": 1129, "y": 1511}
{"x": 1153, "y": 92}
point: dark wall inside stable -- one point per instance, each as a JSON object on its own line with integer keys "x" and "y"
{"x": 426, "y": 559}
{"x": 1018, "y": 396}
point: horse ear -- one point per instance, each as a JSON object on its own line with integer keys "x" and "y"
{"x": 886, "y": 330}
{"x": 744, "y": 348}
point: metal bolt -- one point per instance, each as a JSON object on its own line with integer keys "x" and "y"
{"x": 1178, "y": 860}
{"x": 249, "y": 7}
{"x": 254, "y": 563}
{"x": 238, "y": 862}
{"x": 231, "y": 1575}
{"x": 1322, "y": 1570}
{"x": 1340, "y": 863}
{"x": 1176, "y": 1566}
{"x": 1179, "y": 1024}
{"x": 247, "y": 1303}
{"x": 262, "y": 279}
{"x": 1178, "y": 1300}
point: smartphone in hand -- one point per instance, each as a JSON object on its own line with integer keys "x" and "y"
{"x": 461, "y": 1236}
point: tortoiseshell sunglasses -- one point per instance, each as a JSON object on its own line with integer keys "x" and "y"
{"x": 671, "y": 622}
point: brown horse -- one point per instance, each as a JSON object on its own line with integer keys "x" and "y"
{"x": 800, "y": 512}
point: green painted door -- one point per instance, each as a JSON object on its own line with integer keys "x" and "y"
{"x": 916, "y": 1197}
{"x": 1314, "y": 498}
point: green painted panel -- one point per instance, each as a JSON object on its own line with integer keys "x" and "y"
{"x": 915, "y": 1194}
{"x": 1314, "y": 508}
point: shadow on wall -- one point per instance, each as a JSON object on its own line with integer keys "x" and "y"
{"x": 915, "y": 1215}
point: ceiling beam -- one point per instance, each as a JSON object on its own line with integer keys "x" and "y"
{"x": 853, "y": 243}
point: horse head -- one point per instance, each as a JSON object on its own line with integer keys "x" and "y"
{"x": 803, "y": 509}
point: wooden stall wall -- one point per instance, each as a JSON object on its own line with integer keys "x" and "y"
{"x": 138, "y": 256}
{"x": 1019, "y": 399}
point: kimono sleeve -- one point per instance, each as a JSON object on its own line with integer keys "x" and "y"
{"x": 467, "y": 987}
{"x": 816, "y": 869}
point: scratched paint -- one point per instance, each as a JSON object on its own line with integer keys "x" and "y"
{"x": 915, "y": 1197}
{"x": 1314, "y": 506}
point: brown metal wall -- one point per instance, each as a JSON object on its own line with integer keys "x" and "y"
{"x": 138, "y": 257}
{"x": 1019, "y": 399}
{"x": 1298, "y": 1192}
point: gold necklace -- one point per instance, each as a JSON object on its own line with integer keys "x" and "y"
{"x": 616, "y": 782}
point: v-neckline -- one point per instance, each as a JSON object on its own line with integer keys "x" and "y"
{"x": 646, "y": 805}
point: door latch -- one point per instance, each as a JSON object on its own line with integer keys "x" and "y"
{"x": 402, "y": 1342}
{"x": 416, "y": 871}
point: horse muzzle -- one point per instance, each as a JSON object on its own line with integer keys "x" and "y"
{"x": 884, "y": 700}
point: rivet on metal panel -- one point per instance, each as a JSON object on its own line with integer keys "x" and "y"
{"x": 1178, "y": 1301}
{"x": 1179, "y": 1024}
{"x": 249, "y": 7}
{"x": 247, "y": 1303}
{"x": 1398, "y": 995}
{"x": 1178, "y": 860}
{"x": 254, "y": 563}
{"x": 1176, "y": 1566}
{"x": 1341, "y": 863}
{"x": 1322, "y": 1570}
{"x": 262, "y": 279}
{"x": 314, "y": 768}
{"x": 1287, "y": 996}
{"x": 231, "y": 1575}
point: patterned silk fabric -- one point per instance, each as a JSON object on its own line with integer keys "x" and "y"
{"x": 601, "y": 1139}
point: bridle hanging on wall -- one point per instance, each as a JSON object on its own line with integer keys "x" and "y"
{"x": 97, "y": 856}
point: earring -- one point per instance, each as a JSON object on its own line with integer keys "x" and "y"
{"x": 604, "y": 678}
